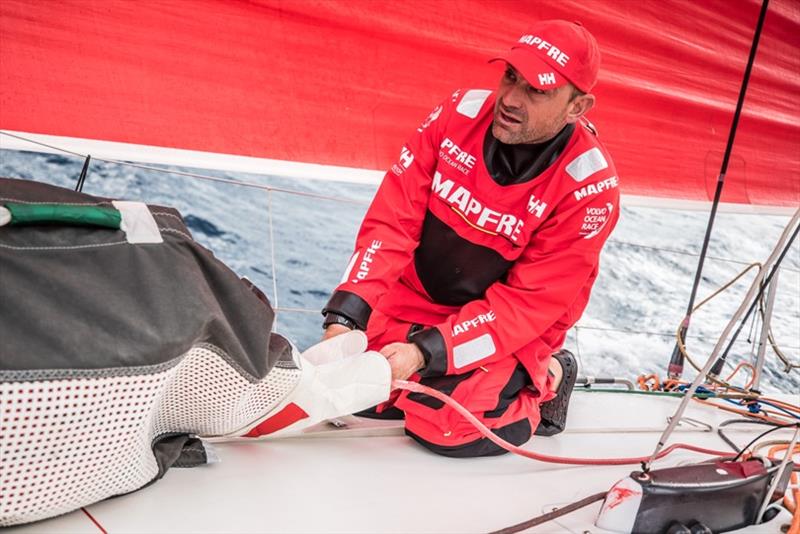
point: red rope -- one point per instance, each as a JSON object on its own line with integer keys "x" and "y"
{"x": 97, "y": 524}
{"x": 419, "y": 388}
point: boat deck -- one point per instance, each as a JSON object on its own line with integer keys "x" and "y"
{"x": 370, "y": 478}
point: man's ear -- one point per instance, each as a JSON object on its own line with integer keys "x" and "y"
{"x": 579, "y": 106}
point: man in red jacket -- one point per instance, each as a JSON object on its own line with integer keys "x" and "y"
{"x": 481, "y": 246}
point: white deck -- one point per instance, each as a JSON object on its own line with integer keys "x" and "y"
{"x": 346, "y": 481}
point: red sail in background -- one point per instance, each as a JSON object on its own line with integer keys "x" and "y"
{"x": 345, "y": 82}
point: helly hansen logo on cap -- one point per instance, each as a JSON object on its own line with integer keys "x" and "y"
{"x": 547, "y": 78}
{"x": 553, "y": 52}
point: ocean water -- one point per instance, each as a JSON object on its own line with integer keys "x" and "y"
{"x": 295, "y": 248}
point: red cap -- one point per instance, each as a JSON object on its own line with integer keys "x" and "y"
{"x": 553, "y": 52}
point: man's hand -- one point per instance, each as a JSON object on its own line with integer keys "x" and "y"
{"x": 404, "y": 358}
{"x": 334, "y": 330}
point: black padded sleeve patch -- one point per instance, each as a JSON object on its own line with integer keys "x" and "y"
{"x": 349, "y": 305}
{"x": 434, "y": 350}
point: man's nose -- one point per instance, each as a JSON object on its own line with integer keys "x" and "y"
{"x": 511, "y": 97}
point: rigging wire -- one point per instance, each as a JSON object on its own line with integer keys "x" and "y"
{"x": 750, "y": 337}
{"x": 704, "y": 372}
{"x": 245, "y": 183}
{"x": 675, "y": 368}
{"x": 788, "y": 365}
{"x": 774, "y": 269}
{"x": 680, "y": 342}
{"x": 272, "y": 258}
{"x": 686, "y": 253}
{"x": 729, "y": 422}
{"x": 645, "y": 332}
{"x": 198, "y": 176}
{"x": 84, "y": 171}
{"x": 766, "y": 432}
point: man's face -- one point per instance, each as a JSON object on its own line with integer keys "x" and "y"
{"x": 525, "y": 114}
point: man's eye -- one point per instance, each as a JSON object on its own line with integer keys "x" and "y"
{"x": 534, "y": 90}
{"x": 511, "y": 76}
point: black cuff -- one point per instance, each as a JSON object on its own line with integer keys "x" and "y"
{"x": 335, "y": 318}
{"x": 434, "y": 350}
{"x": 351, "y": 306}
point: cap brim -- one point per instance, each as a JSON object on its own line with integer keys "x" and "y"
{"x": 536, "y": 72}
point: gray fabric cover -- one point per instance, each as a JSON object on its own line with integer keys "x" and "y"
{"x": 134, "y": 347}
{"x": 81, "y": 301}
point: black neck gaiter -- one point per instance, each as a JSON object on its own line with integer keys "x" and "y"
{"x": 516, "y": 164}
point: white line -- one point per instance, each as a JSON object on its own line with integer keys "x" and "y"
{"x": 703, "y": 205}
{"x": 189, "y": 158}
{"x": 272, "y": 260}
{"x": 288, "y": 169}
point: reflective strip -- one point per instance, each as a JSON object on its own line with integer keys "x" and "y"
{"x": 473, "y": 350}
{"x": 472, "y": 102}
{"x": 587, "y": 164}
{"x": 137, "y": 222}
{"x": 350, "y": 265}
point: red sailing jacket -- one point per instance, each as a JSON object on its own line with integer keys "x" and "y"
{"x": 491, "y": 270}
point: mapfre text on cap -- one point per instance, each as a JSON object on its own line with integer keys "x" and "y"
{"x": 560, "y": 57}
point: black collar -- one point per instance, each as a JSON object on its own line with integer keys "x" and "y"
{"x": 517, "y": 164}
